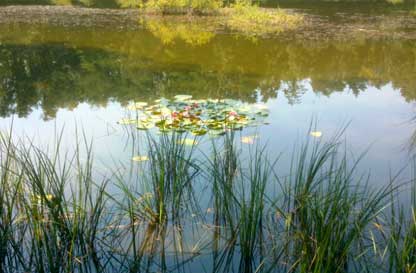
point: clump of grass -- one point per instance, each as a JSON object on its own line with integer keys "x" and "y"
{"x": 51, "y": 213}
{"x": 223, "y": 170}
{"x": 252, "y": 208}
{"x": 239, "y": 203}
{"x": 399, "y": 232}
{"x": 55, "y": 217}
{"x": 183, "y": 6}
{"x": 172, "y": 173}
{"x": 164, "y": 184}
{"x": 10, "y": 186}
{"x": 242, "y": 16}
{"x": 325, "y": 213}
{"x": 64, "y": 211}
{"x": 250, "y": 19}
{"x": 223, "y": 167}
{"x": 156, "y": 201}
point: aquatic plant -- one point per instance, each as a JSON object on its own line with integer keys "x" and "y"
{"x": 239, "y": 202}
{"x": 252, "y": 202}
{"x": 10, "y": 187}
{"x": 223, "y": 170}
{"x": 183, "y": 114}
{"x": 326, "y": 211}
{"x": 65, "y": 210}
{"x": 46, "y": 223}
{"x": 398, "y": 229}
{"x": 153, "y": 204}
{"x": 172, "y": 173}
{"x": 57, "y": 215}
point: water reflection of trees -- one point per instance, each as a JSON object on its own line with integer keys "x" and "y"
{"x": 50, "y": 75}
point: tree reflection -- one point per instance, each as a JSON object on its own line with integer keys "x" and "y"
{"x": 52, "y": 68}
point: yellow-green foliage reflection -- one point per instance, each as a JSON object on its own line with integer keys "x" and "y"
{"x": 190, "y": 33}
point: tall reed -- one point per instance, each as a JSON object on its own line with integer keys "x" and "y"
{"x": 52, "y": 211}
{"x": 11, "y": 231}
{"x": 400, "y": 234}
{"x": 57, "y": 214}
{"x": 158, "y": 199}
{"x": 325, "y": 212}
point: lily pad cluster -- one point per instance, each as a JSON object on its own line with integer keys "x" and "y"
{"x": 184, "y": 114}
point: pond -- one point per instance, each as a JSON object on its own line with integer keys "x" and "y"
{"x": 54, "y": 76}
{"x": 87, "y": 78}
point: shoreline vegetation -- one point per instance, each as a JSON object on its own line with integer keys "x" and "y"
{"x": 58, "y": 215}
{"x": 243, "y": 16}
{"x": 244, "y": 21}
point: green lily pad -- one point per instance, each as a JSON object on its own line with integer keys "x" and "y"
{"x": 216, "y": 132}
{"x": 127, "y": 121}
{"x": 144, "y": 126}
{"x": 199, "y": 132}
{"x": 140, "y": 158}
{"x": 198, "y": 117}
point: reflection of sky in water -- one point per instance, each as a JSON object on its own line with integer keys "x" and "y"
{"x": 378, "y": 120}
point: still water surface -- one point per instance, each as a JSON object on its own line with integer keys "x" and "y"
{"x": 53, "y": 76}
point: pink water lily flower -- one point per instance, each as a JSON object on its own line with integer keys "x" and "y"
{"x": 233, "y": 113}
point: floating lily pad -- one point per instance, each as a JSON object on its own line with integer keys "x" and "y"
{"x": 137, "y": 106}
{"x": 144, "y": 126}
{"x": 199, "y": 132}
{"x": 199, "y": 117}
{"x": 316, "y": 134}
{"x": 140, "y": 104}
{"x": 216, "y": 132}
{"x": 140, "y": 158}
{"x": 248, "y": 139}
{"x": 127, "y": 121}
